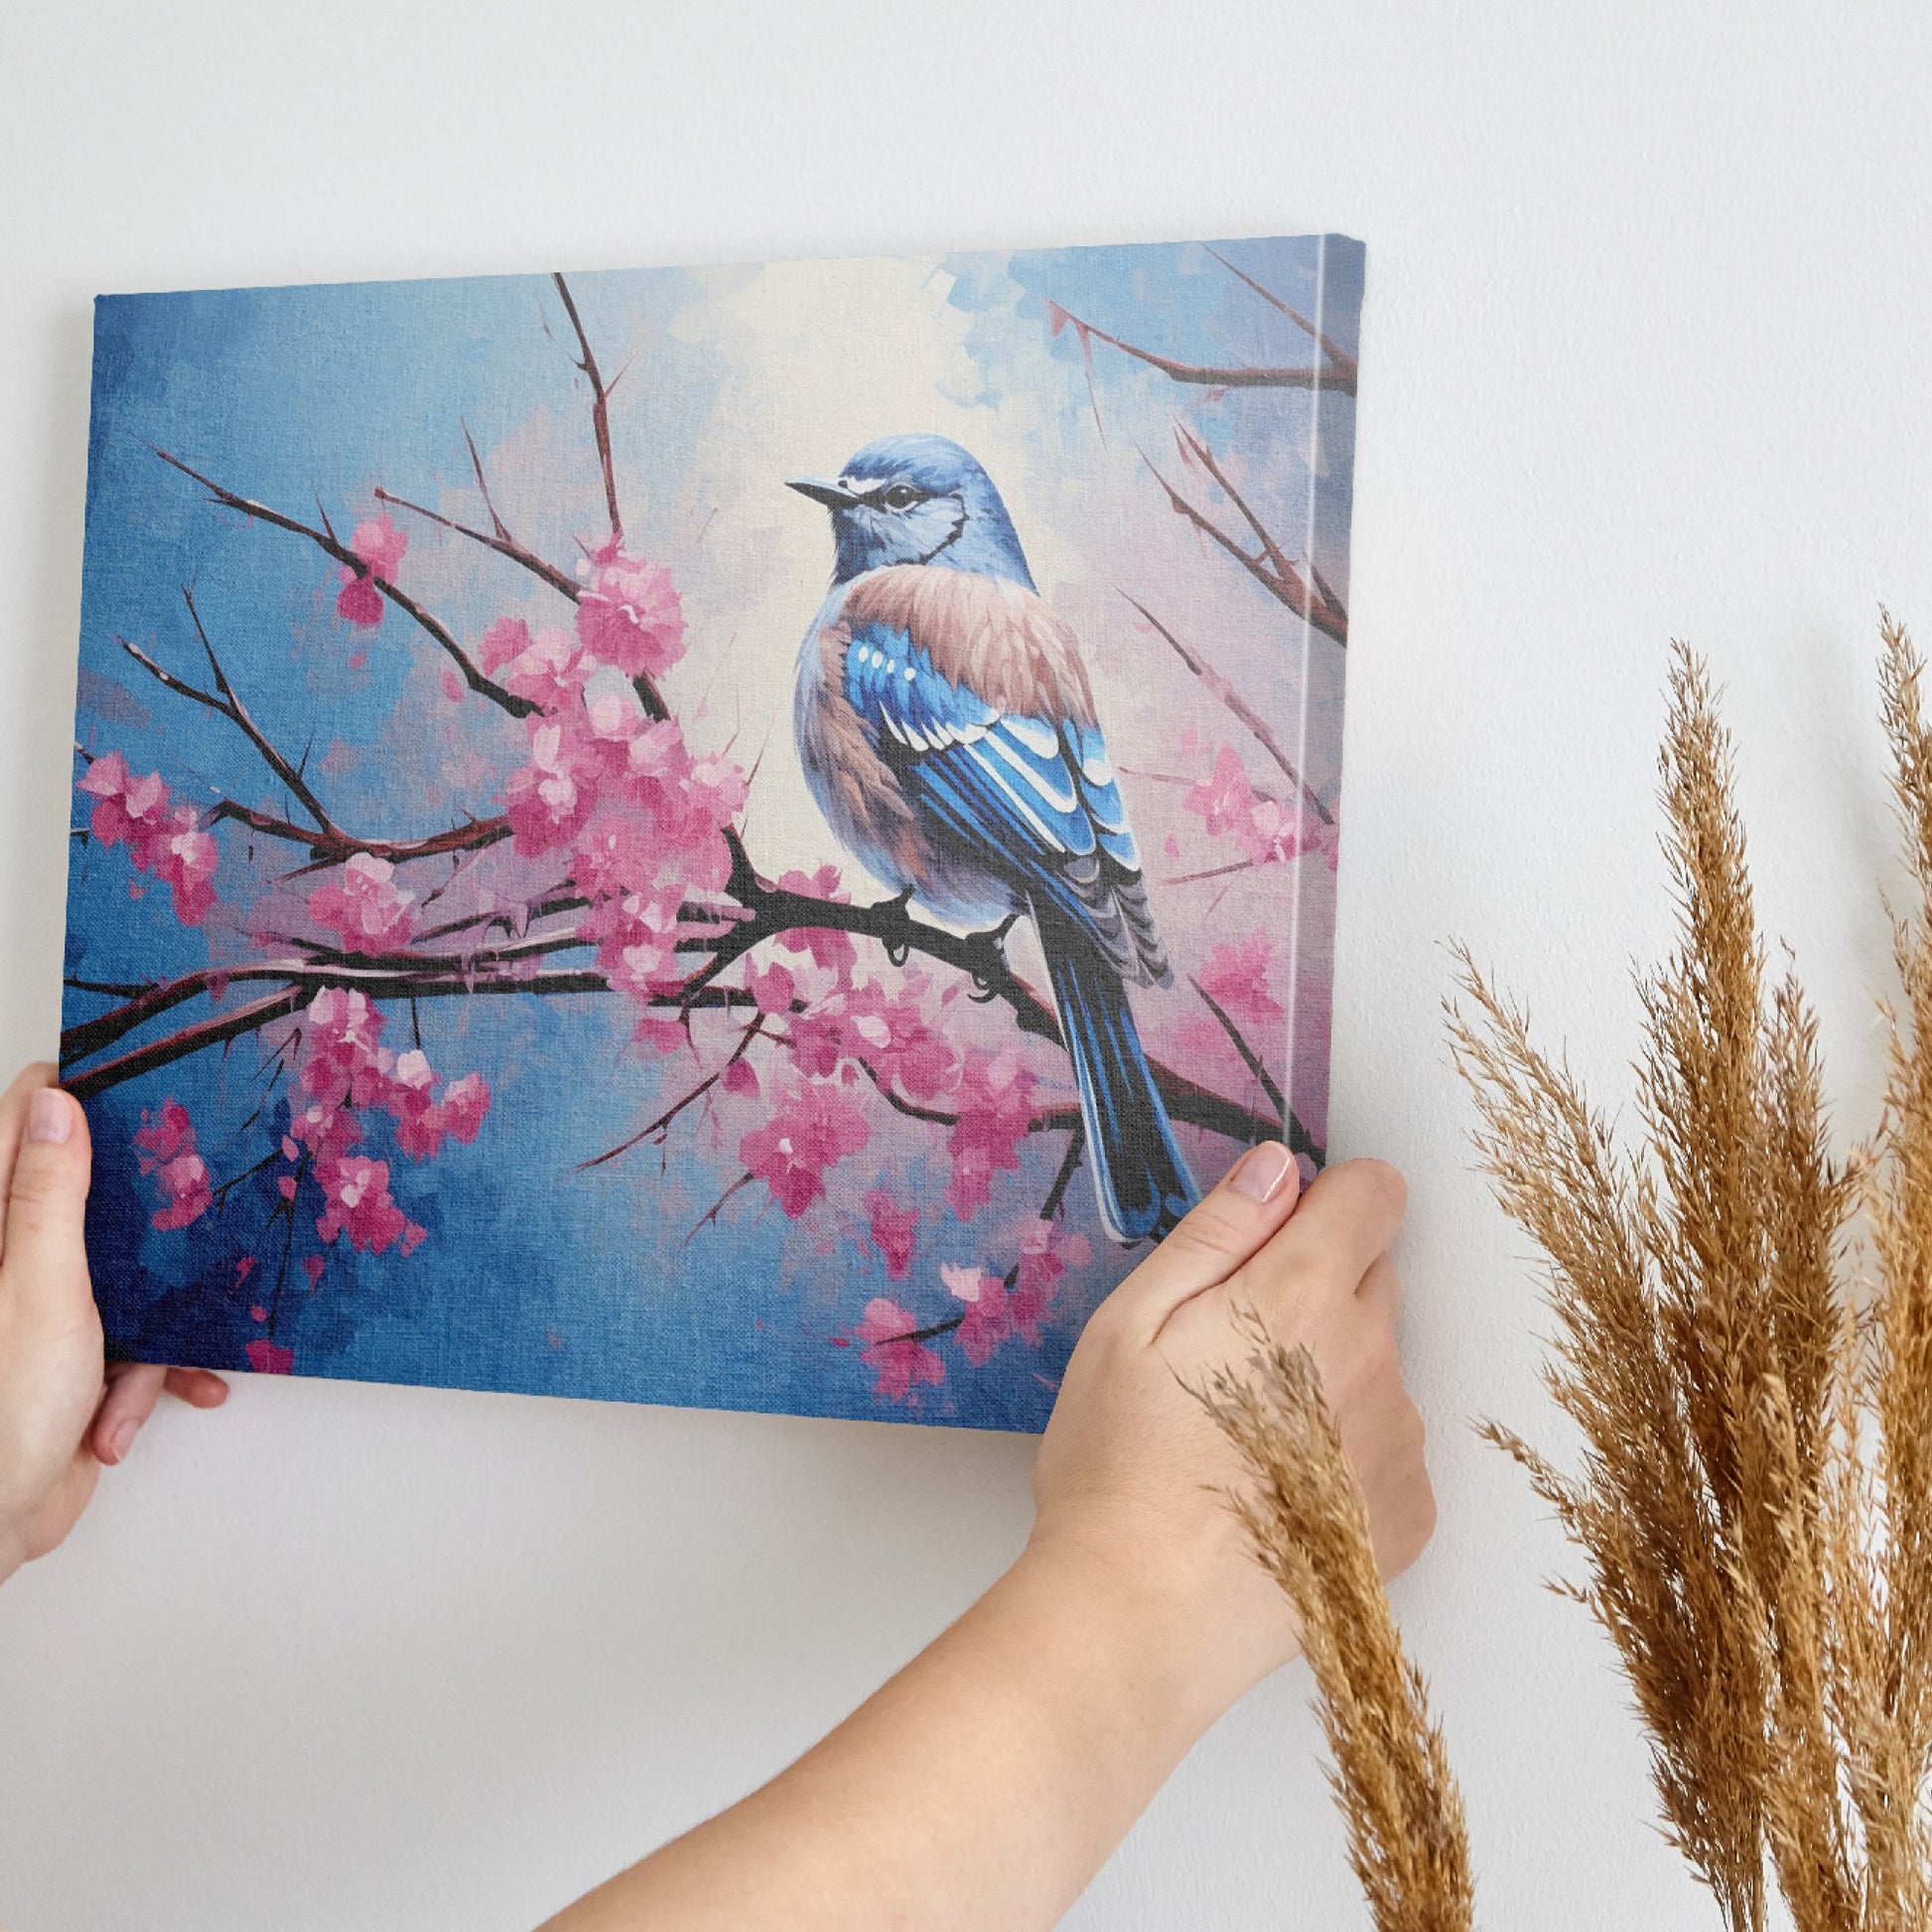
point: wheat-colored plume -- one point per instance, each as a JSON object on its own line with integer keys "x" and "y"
{"x": 1753, "y": 1500}
{"x": 1304, "y": 1514}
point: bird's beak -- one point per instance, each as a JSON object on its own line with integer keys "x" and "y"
{"x": 833, "y": 495}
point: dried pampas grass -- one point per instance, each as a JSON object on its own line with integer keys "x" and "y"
{"x": 1309, "y": 1524}
{"x": 1752, "y": 1387}
{"x": 1755, "y": 1496}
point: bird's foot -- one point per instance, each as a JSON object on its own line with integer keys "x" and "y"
{"x": 988, "y": 953}
{"x": 897, "y": 911}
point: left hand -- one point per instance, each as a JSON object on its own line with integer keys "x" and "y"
{"x": 63, "y": 1410}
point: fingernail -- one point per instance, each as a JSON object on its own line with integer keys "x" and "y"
{"x": 50, "y": 1116}
{"x": 123, "y": 1439}
{"x": 1262, "y": 1171}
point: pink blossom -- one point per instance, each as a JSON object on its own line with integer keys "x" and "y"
{"x": 890, "y": 1031}
{"x": 360, "y": 1204}
{"x": 1224, "y": 798}
{"x": 741, "y": 1078}
{"x": 380, "y": 544}
{"x": 629, "y": 614}
{"x": 126, "y": 806}
{"x": 266, "y": 1357}
{"x": 772, "y": 988}
{"x": 185, "y": 859}
{"x": 422, "y": 1123}
{"x": 312, "y": 1265}
{"x": 343, "y": 1061}
{"x": 667, "y": 1036}
{"x": 549, "y": 670}
{"x": 987, "y": 1317}
{"x": 1047, "y": 1253}
{"x": 898, "y": 1361}
{"x": 1235, "y": 977}
{"x": 893, "y": 1230}
{"x": 167, "y": 842}
{"x": 1276, "y": 832}
{"x": 505, "y": 639}
{"x": 378, "y": 547}
{"x": 614, "y": 852}
{"x": 368, "y": 907}
{"x": 258, "y": 1312}
{"x": 994, "y": 1107}
{"x": 548, "y": 799}
{"x": 168, "y": 1151}
{"x": 637, "y": 939}
{"x": 828, "y": 946}
{"x": 358, "y": 599}
{"x": 814, "y": 1125}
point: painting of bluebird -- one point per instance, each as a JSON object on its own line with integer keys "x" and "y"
{"x": 747, "y": 837}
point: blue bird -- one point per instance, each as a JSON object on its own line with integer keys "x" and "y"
{"x": 947, "y": 731}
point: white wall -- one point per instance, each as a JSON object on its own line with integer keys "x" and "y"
{"x": 1645, "y": 353}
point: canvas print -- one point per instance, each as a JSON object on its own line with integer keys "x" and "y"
{"x": 743, "y": 836}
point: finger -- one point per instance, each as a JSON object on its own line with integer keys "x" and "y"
{"x": 1255, "y": 1196}
{"x": 1347, "y": 1218}
{"x": 1380, "y": 1293}
{"x": 133, "y": 1388}
{"x": 199, "y": 1388}
{"x": 13, "y": 1127}
{"x": 45, "y": 1272}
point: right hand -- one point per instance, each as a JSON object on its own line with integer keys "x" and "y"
{"x": 1131, "y": 1472}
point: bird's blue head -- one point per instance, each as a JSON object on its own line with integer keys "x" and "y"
{"x": 917, "y": 499}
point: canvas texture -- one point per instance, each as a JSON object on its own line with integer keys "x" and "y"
{"x": 743, "y": 836}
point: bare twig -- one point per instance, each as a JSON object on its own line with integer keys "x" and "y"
{"x": 600, "y": 407}
{"x": 1247, "y": 1053}
{"x": 1238, "y": 706}
{"x": 326, "y": 542}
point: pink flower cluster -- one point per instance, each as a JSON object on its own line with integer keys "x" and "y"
{"x": 629, "y": 613}
{"x": 367, "y": 907}
{"x": 1235, "y": 977}
{"x": 378, "y": 547}
{"x": 994, "y": 1101}
{"x": 345, "y": 1071}
{"x": 814, "y": 1125}
{"x": 168, "y": 842}
{"x": 166, "y": 1144}
{"x": 998, "y": 1307}
{"x": 893, "y": 1230}
{"x": 644, "y": 818}
{"x": 1268, "y": 830}
{"x": 900, "y": 1362}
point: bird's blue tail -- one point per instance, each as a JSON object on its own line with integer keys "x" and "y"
{"x": 1139, "y": 1171}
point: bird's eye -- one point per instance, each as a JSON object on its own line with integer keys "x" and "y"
{"x": 902, "y": 496}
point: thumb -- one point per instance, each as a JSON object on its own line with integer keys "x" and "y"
{"x": 43, "y": 1259}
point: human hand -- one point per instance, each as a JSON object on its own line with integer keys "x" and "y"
{"x": 1129, "y": 1481}
{"x": 63, "y": 1411}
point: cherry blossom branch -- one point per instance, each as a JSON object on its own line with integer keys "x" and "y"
{"x": 305, "y": 982}
{"x": 225, "y": 703}
{"x": 1076, "y": 1146}
{"x": 1222, "y": 376}
{"x": 600, "y": 407}
{"x": 1337, "y": 371}
{"x": 1344, "y": 368}
{"x": 1308, "y": 598}
{"x": 1239, "y": 706}
{"x": 330, "y": 545}
{"x": 498, "y": 540}
{"x": 663, "y": 1121}
{"x": 1253, "y": 1059}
